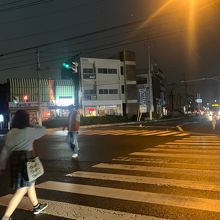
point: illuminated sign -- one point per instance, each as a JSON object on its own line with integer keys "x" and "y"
{"x": 215, "y": 105}
{"x": 1, "y": 118}
{"x": 198, "y": 100}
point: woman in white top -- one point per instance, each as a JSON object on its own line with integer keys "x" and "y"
{"x": 18, "y": 148}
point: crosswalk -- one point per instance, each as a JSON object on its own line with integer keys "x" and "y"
{"x": 131, "y": 132}
{"x": 176, "y": 180}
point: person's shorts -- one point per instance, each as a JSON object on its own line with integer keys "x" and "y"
{"x": 18, "y": 170}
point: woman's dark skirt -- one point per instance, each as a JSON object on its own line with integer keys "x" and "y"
{"x": 18, "y": 169}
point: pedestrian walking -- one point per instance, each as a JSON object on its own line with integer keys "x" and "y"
{"x": 17, "y": 150}
{"x": 73, "y": 129}
{"x": 213, "y": 121}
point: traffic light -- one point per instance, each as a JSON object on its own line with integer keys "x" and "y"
{"x": 73, "y": 66}
{"x": 66, "y": 65}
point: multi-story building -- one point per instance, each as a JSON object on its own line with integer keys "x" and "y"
{"x": 107, "y": 86}
{"x": 128, "y": 70}
{"x": 101, "y": 86}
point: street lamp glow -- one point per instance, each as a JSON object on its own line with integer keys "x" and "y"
{"x": 25, "y": 98}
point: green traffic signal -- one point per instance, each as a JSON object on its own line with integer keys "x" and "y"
{"x": 66, "y": 65}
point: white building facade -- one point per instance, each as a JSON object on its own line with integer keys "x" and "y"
{"x": 101, "y": 85}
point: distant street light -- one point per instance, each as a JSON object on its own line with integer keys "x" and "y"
{"x": 25, "y": 98}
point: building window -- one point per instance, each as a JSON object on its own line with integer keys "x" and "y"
{"x": 90, "y": 94}
{"x": 88, "y": 70}
{"x": 107, "y": 71}
{"x": 122, "y": 70}
{"x": 103, "y": 70}
{"x": 123, "y": 89}
{"x": 108, "y": 91}
{"x": 89, "y": 76}
{"x": 105, "y": 91}
{"x": 111, "y": 91}
{"x": 112, "y": 71}
{"x": 89, "y": 91}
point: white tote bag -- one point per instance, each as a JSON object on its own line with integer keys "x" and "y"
{"x": 35, "y": 169}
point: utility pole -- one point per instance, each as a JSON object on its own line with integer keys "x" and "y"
{"x": 150, "y": 85}
{"x": 38, "y": 85}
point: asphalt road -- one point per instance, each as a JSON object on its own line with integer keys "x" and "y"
{"x": 129, "y": 172}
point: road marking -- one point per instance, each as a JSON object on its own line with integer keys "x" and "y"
{"x": 182, "y": 134}
{"x": 154, "y": 133}
{"x": 205, "y": 136}
{"x": 79, "y": 212}
{"x": 163, "y": 161}
{"x": 157, "y": 169}
{"x": 197, "y": 141}
{"x": 175, "y": 155}
{"x": 181, "y": 150}
{"x": 133, "y": 132}
{"x": 138, "y": 196}
{"x": 183, "y": 146}
{"x": 148, "y": 180}
{"x": 187, "y": 143}
{"x": 171, "y": 133}
{"x": 143, "y": 132}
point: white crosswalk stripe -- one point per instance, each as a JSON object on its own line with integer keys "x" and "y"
{"x": 158, "y": 198}
{"x": 147, "y": 180}
{"x": 134, "y": 132}
{"x": 191, "y": 157}
{"x": 79, "y": 212}
{"x": 157, "y": 169}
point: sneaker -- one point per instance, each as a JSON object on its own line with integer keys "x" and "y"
{"x": 39, "y": 208}
{"x": 74, "y": 155}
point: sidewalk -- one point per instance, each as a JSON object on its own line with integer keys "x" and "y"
{"x": 124, "y": 123}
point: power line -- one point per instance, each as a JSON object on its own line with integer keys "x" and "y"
{"x": 29, "y": 4}
{"x": 10, "y": 3}
{"x": 99, "y": 49}
{"x": 40, "y": 15}
{"x": 89, "y": 50}
{"x": 75, "y": 37}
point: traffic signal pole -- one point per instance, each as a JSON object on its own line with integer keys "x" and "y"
{"x": 150, "y": 86}
{"x": 38, "y": 84}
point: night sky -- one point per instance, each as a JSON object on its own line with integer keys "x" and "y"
{"x": 183, "y": 36}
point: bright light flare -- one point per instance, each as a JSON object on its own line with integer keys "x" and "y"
{"x": 156, "y": 13}
{"x": 191, "y": 35}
